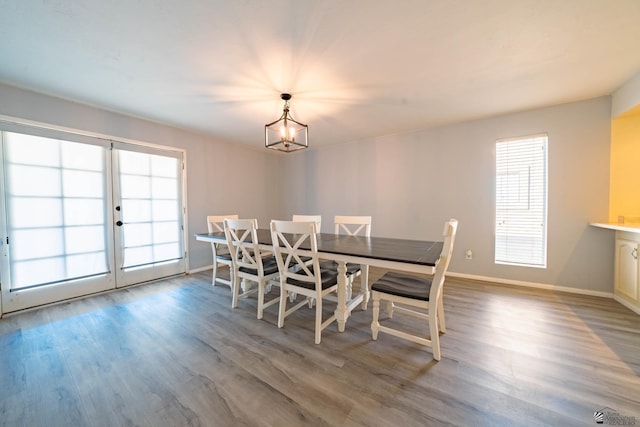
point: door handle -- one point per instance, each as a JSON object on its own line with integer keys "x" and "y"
{"x": 119, "y": 223}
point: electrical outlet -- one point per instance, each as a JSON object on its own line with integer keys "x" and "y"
{"x": 469, "y": 254}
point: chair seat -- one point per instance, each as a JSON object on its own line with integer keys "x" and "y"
{"x": 403, "y": 285}
{"x": 420, "y": 297}
{"x": 332, "y": 265}
{"x": 328, "y": 278}
{"x": 269, "y": 266}
{"x": 223, "y": 255}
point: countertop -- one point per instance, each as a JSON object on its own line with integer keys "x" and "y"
{"x": 630, "y": 227}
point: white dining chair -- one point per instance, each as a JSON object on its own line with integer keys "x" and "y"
{"x": 420, "y": 294}
{"x": 221, "y": 254}
{"x": 249, "y": 262}
{"x": 305, "y": 218}
{"x": 308, "y": 280}
{"x": 351, "y": 225}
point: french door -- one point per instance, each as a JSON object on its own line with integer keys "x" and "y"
{"x": 82, "y": 215}
{"x": 148, "y": 212}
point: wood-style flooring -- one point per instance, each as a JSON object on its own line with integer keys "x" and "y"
{"x": 174, "y": 353}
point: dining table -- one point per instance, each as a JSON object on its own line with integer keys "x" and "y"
{"x": 407, "y": 255}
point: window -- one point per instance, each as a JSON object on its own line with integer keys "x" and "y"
{"x": 521, "y": 201}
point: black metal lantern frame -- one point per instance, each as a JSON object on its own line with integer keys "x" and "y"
{"x": 286, "y": 134}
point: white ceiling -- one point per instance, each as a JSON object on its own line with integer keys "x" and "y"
{"x": 356, "y": 68}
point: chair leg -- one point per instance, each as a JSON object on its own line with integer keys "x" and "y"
{"x": 261, "y": 286}
{"x": 441, "y": 322}
{"x": 235, "y": 288}
{"x": 434, "y": 332}
{"x": 318, "y": 319}
{"x": 376, "y": 313}
{"x": 215, "y": 272}
{"x": 283, "y": 305}
{"x": 390, "y": 309}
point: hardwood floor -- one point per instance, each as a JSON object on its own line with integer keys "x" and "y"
{"x": 173, "y": 353}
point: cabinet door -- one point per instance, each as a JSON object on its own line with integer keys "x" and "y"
{"x": 626, "y": 268}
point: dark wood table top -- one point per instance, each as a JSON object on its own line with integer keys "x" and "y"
{"x": 419, "y": 252}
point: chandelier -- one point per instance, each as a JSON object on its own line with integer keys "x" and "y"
{"x": 286, "y": 134}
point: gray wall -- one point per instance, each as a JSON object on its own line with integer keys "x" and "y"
{"x": 216, "y": 184}
{"x": 412, "y": 183}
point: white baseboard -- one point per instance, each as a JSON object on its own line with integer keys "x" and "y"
{"x": 627, "y": 304}
{"x": 199, "y": 269}
{"x": 505, "y": 282}
{"x": 531, "y": 285}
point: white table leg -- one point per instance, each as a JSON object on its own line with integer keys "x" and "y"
{"x": 342, "y": 313}
{"x": 245, "y": 283}
{"x": 364, "y": 285}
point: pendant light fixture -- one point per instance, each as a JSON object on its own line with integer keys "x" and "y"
{"x": 286, "y": 134}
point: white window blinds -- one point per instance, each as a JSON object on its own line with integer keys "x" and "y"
{"x": 521, "y": 201}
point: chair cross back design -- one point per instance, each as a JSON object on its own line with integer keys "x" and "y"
{"x": 221, "y": 254}
{"x": 298, "y": 276}
{"x": 419, "y": 293}
{"x": 307, "y": 218}
{"x": 249, "y": 262}
{"x": 352, "y": 225}
{"x": 294, "y": 260}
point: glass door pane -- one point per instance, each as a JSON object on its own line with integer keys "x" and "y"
{"x": 148, "y": 200}
{"x": 56, "y": 219}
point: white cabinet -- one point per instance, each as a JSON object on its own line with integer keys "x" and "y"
{"x": 626, "y": 283}
{"x": 626, "y": 268}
